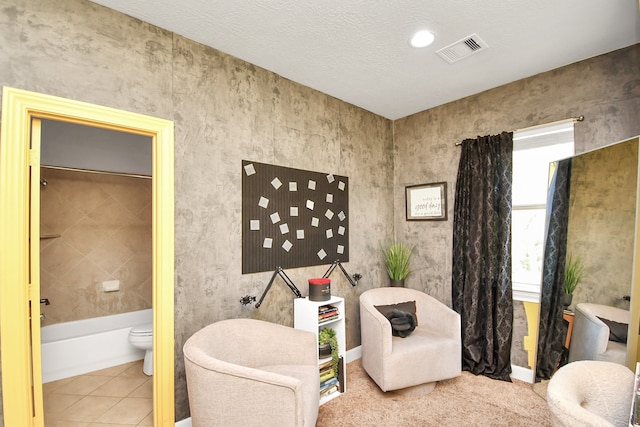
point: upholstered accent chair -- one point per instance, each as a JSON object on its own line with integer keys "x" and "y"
{"x": 432, "y": 352}
{"x": 591, "y": 336}
{"x": 246, "y": 372}
{"x": 590, "y": 393}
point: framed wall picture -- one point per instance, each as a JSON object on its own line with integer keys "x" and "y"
{"x": 427, "y": 202}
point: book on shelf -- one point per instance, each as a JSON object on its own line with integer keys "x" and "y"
{"x": 329, "y": 390}
{"x": 326, "y": 364}
{"x": 327, "y": 319}
{"x": 326, "y": 308}
{"x": 328, "y": 383}
{"x": 327, "y": 375}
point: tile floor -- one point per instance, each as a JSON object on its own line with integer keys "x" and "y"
{"x": 120, "y": 396}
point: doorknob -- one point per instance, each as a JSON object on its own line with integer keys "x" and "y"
{"x": 44, "y": 301}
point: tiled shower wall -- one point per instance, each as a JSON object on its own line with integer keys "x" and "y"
{"x": 94, "y": 228}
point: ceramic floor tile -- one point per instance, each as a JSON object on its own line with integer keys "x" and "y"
{"x": 135, "y": 371}
{"x": 145, "y": 390}
{"x": 64, "y": 423}
{"x": 57, "y": 403}
{"x": 129, "y": 410}
{"x": 90, "y": 408}
{"x": 148, "y": 420}
{"x": 52, "y": 386}
{"x": 119, "y": 387}
{"x": 110, "y": 425}
{"x": 114, "y": 371}
{"x": 83, "y": 385}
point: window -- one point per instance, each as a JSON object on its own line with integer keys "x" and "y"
{"x": 533, "y": 151}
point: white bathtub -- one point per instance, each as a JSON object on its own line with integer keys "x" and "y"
{"x": 81, "y": 346}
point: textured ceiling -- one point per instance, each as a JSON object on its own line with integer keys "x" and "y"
{"x": 357, "y": 50}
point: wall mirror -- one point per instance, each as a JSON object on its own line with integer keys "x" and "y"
{"x": 601, "y": 232}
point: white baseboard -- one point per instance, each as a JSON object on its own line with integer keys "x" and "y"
{"x": 523, "y": 374}
{"x": 354, "y": 354}
{"x": 184, "y": 423}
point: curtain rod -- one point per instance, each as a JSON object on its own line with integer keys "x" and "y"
{"x": 579, "y": 118}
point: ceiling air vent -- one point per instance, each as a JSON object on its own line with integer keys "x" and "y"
{"x": 462, "y": 48}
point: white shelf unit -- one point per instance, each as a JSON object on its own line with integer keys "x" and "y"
{"x": 305, "y": 317}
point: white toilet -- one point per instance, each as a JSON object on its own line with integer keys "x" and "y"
{"x": 142, "y": 337}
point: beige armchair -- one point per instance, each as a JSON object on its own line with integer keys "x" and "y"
{"x": 432, "y": 352}
{"x": 591, "y": 393}
{"x": 590, "y": 335}
{"x": 245, "y": 372}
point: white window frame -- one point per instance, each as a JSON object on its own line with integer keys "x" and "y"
{"x": 531, "y": 138}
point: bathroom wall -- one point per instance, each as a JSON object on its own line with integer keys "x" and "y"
{"x": 95, "y": 227}
{"x": 605, "y": 89}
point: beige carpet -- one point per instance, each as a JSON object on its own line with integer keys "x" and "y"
{"x": 468, "y": 400}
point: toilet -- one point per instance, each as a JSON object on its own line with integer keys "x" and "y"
{"x": 142, "y": 337}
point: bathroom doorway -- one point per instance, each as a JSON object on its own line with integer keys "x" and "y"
{"x": 20, "y": 161}
{"x": 95, "y": 273}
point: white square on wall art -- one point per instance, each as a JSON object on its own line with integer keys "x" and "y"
{"x": 287, "y": 245}
{"x": 284, "y": 228}
{"x": 275, "y": 217}
{"x": 267, "y": 243}
{"x": 315, "y": 222}
{"x": 276, "y": 183}
{"x": 254, "y": 224}
{"x": 293, "y": 211}
{"x": 300, "y": 234}
{"x": 311, "y": 185}
{"x": 293, "y": 186}
{"x": 263, "y": 202}
{"x": 249, "y": 169}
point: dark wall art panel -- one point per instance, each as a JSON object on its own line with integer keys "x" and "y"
{"x": 292, "y": 218}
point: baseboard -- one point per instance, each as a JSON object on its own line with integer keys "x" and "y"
{"x": 354, "y": 354}
{"x": 184, "y": 423}
{"x": 522, "y": 374}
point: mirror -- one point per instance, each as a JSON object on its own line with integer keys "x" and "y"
{"x": 601, "y": 233}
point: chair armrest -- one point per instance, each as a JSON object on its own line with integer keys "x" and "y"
{"x": 437, "y": 317}
{"x": 590, "y": 336}
{"x": 375, "y": 330}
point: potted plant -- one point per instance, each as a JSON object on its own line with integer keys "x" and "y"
{"x": 328, "y": 336}
{"x": 573, "y": 273}
{"x": 397, "y": 257}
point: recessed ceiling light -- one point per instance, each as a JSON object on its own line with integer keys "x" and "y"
{"x": 422, "y": 39}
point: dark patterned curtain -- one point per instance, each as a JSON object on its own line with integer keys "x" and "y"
{"x": 481, "y": 283}
{"x": 551, "y": 331}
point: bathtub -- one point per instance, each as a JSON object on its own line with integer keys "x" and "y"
{"x": 82, "y": 346}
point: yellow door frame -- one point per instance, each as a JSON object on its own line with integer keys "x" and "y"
{"x": 22, "y": 406}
